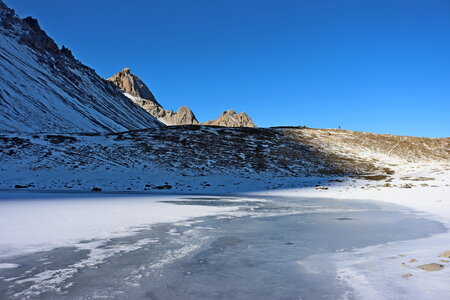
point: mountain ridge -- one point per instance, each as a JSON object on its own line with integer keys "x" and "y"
{"x": 43, "y": 88}
{"x": 135, "y": 89}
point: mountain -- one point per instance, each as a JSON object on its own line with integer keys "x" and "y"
{"x": 135, "y": 89}
{"x": 139, "y": 93}
{"x": 43, "y": 88}
{"x": 230, "y": 118}
{"x": 62, "y": 127}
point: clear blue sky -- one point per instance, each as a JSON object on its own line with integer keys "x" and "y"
{"x": 375, "y": 65}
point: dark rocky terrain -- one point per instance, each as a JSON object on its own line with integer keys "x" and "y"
{"x": 180, "y": 156}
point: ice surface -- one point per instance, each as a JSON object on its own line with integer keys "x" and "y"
{"x": 341, "y": 248}
{"x": 34, "y": 221}
{"x": 251, "y": 247}
{"x": 376, "y": 272}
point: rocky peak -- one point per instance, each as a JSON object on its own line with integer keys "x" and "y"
{"x": 230, "y": 118}
{"x": 137, "y": 91}
{"x": 66, "y": 52}
{"x": 36, "y": 38}
{"x": 133, "y": 85}
{"x": 5, "y": 11}
{"x": 29, "y": 32}
{"x": 184, "y": 116}
{"x": 32, "y": 23}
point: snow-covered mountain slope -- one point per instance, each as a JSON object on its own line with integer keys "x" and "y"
{"x": 198, "y": 158}
{"x": 45, "y": 89}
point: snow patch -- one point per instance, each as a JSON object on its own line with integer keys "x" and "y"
{"x": 69, "y": 220}
{"x": 8, "y": 266}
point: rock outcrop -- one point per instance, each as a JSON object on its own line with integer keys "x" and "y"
{"x": 184, "y": 116}
{"x": 136, "y": 90}
{"x": 230, "y": 118}
{"x": 133, "y": 85}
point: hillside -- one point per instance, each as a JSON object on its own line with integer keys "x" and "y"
{"x": 43, "y": 88}
{"x": 200, "y": 158}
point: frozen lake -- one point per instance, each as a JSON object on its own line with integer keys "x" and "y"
{"x": 226, "y": 247}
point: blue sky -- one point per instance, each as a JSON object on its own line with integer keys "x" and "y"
{"x": 380, "y": 66}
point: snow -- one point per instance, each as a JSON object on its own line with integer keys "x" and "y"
{"x": 122, "y": 162}
{"x": 78, "y": 100}
{"x": 131, "y": 97}
{"x": 33, "y": 222}
{"x": 376, "y": 272}
{"x": 87, "y": 221}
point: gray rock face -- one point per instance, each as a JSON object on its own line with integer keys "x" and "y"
{"x": 137, "y": 91}
{"x": 230, "y": 118}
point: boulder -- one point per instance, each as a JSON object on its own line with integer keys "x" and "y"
{"x": 431, "y": 267}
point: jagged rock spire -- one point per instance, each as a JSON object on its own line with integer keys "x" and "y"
{"x": 132, "y": 84}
